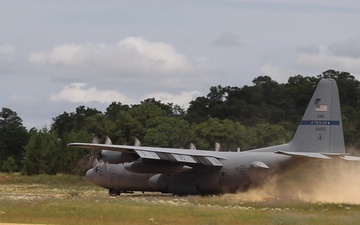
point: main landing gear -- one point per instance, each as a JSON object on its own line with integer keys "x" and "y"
{"x": 114, "y": 192}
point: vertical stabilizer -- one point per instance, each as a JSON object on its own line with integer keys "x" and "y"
{"x": 320, "y": 129}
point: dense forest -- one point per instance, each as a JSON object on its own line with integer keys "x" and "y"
{"x": 266, "y": 113}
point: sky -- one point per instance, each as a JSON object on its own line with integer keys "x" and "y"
{"x": 58, "y": 55}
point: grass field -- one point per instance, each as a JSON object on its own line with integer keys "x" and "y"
{"x": 72, "y": 200}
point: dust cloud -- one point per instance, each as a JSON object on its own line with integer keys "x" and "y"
{"x": 326, "y": 181}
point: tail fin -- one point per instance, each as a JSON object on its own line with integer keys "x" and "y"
{"x": 320, "y": 129}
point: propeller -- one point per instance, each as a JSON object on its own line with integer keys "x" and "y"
{"x": 107, "y": 142}
{"x": 95, "y": 157}
{"x": 98, "y": 157}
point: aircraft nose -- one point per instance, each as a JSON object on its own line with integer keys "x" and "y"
{"x": 90, "y": 175}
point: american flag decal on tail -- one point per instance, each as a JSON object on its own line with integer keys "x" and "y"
{"x": 321, "y": 108}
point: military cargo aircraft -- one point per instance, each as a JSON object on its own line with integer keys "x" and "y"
{"x": 319, "y": 136}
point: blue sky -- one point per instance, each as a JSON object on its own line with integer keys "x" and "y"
{"x": 57, "y": 55}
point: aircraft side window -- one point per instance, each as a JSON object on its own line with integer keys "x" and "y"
{"x": 97, "y": 169}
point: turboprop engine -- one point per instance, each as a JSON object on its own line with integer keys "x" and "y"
{"x": 113, "y": 157}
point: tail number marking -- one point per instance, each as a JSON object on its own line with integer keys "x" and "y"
{"x": 320, "y": 128}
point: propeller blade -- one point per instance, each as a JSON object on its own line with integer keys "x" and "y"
{"x": 94, "y": 162}
{"x": 217, "y": 146}
{"x": 137, "y": 142}
{"x": 95, "y": 140}
{"x": 108, "y": 141}
{"x": 192, "y": 146}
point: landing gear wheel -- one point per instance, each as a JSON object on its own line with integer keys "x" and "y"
{"x": 114, "y": 192}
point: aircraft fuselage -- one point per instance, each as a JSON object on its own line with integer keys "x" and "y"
{"x": 235, "y": 175}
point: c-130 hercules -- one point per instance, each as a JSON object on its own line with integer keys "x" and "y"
{"x": 124, "y": 169}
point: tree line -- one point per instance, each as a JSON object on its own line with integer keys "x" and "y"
{"x": 265, "y": 113}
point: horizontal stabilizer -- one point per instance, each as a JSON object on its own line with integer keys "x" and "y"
{"x": 350, "y": 158}
{"x": 316, "y": 155}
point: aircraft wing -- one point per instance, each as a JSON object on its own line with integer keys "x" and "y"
{"x": 319, "y": 155}
{"x": 164, "y": 154}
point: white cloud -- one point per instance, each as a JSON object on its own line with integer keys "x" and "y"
{"x": 81, "y": 93}
{"x": 277, "y": 73}
{"x": 155, "y": 54}
{"x": 183, "y": 99}
{"x": 131, "y": 60}
{"x": 323, "y": 61}
{"x": 312, "y": 59}
{"x": 122, "y": 55}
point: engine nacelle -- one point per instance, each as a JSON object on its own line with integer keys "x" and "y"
{"x": 113, "y": 157}
{"x": 159, "y": 182}
{"x": 165, "y": 168}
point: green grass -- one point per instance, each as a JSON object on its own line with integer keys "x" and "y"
{"x": 56, "y": 180}
{"x": 72, "y": 200}
{"x": 125, "y": 211}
